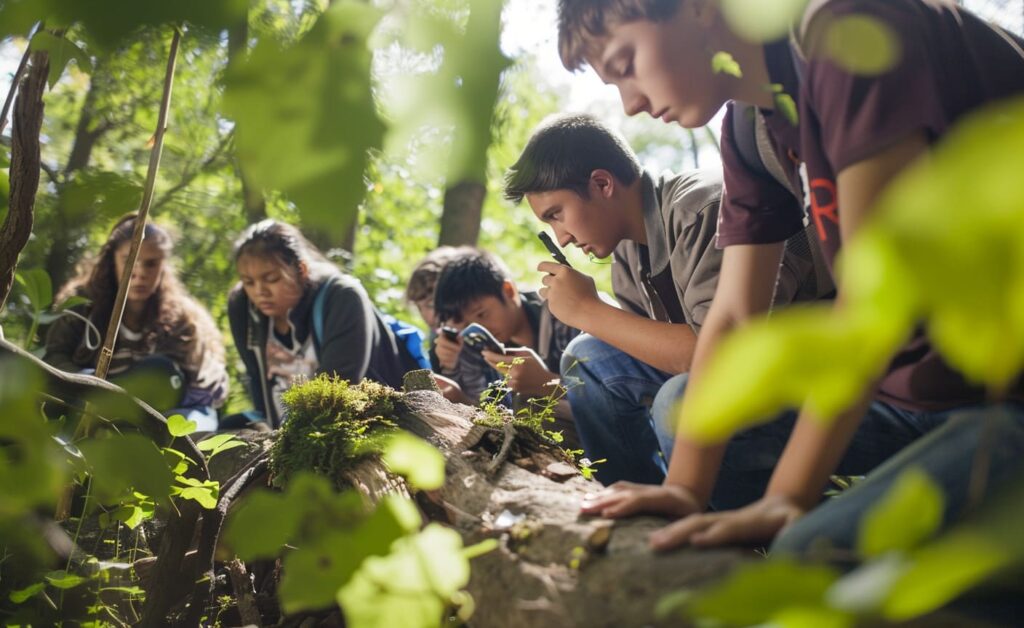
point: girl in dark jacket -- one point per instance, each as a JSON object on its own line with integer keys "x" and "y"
{"x": 168, "y": 351}
{"x": 294, "y": 314}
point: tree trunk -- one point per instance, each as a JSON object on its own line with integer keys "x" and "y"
{"x": 254, "y": 203}
{"x": 463, "y": 210}
{"x": 25, "y": 168}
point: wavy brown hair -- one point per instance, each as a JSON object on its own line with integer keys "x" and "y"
{"x": 170, "y": 308}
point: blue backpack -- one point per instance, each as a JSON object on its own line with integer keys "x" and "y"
{"x": 410, "y": 339}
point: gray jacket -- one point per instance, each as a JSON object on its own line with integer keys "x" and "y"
{"x": 674, "y": 276}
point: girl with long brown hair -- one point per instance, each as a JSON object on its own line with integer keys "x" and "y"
{"x": 168, "y": 351}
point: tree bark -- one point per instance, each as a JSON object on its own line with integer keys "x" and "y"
{"x": 254, "y": 204}
{"x": 463, "y": 210}
{"x": 25, "y": 169}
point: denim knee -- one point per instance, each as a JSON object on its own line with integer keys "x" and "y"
{"x": 663, "y": 412}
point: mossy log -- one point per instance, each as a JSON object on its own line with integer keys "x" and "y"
{"x": 552, "y": 567}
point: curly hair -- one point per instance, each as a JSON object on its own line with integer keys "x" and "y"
{"x": 168, "y": 311}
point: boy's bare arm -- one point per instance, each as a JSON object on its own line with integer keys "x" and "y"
{"x": 813, "y": 451}
{"x": 745, "y": 288}
{"x": 573, "y": 299}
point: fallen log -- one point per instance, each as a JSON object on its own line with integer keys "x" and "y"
{"x": 552, "y": 566}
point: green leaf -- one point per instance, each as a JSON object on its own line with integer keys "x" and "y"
{"x": 63, "y": 580}
{"x": 96, "y": 195}
{"x": 908, "y": 514}
{"x": 411, "y": 586}
{"x": 21, "y": 595}
{"x": 862, "y": 44}
{"x": 124, "y": 462}
{"x": 134, "y": 514}
{"x": 940, "y": 253}
{"x": 206, "y": 496}
{"x": 785, "y": 104}
{"x": 176, "y": 461}
{"x": 461, "y": 95}
{"x": 803, "y": 355}
{"x": 329, "y": 560}
{"x": 941, "y": 572}
{"x": 415, "y": 459}
{"x": 61, "y": 50}
{"x": 73, "y": 301}
{"x": 306, "y": 117}
{"x": 758, "y": 592}
{"x": 33, "y": 467}
{"x": 35, "y": 282}
{"x": 178, "y": 425}
{"x": 109, "y": 22}
{"x": 216, "y": 444}
{"x": 724, "y": 63}
{"x": 261, "y": 524}
{"x": 759, "y": 21}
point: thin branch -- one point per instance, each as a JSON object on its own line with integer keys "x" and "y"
{"x": 103, "y": 364}
{"x": 51, "y": 172}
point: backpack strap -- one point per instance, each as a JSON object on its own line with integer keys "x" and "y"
{"x": 755, "y": 146}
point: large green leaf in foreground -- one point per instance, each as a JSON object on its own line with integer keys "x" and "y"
{"x": 306, "y": 115}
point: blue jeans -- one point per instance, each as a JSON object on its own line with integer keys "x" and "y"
{"x": 611, "y": 395}
{"x": 751, "y": 455}
{"x": 947, "y": 455}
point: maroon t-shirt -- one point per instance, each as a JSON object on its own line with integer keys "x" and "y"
{"x": 950, "y": 63}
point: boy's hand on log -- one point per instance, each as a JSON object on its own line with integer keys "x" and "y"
{"x": 569, "y": 293}
{"x": 624, "y": 499}
{"x": 757, "y": 523}
{"x": 448, "y": 351}
{"x": 530, "y": 377}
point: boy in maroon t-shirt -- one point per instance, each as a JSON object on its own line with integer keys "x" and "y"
{"x": 851, "y": 136}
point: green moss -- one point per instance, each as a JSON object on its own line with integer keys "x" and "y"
{"x": 332, "y": 425}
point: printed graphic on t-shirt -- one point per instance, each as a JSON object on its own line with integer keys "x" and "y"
{"x": 284, "y": 365}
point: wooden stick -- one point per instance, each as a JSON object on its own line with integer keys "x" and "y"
{"x": 107, "y": 352}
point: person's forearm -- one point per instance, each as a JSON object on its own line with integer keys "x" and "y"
{"x": 813, "y": 453}
{"x": 665, "y": 346}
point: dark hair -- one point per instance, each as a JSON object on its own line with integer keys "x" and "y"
{"x": 582, "y": 22}
{"x": 468, "y": 277}
{"x": 284, "y": 244}
{"x": 424, "y": 275}
{"x": 167, "y": 311}
{"x": 564, "y": 151}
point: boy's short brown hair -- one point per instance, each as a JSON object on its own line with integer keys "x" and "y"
{"x": 580, "y": 22}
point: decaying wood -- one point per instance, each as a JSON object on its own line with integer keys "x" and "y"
{"x": 245, "y": 594}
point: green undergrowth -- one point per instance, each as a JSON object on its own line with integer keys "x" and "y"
{"x": 332, "y": 425}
